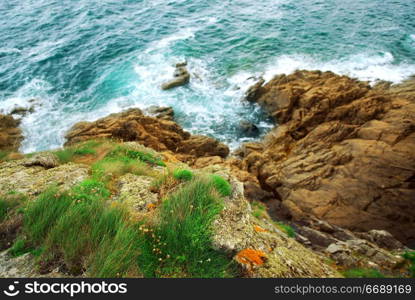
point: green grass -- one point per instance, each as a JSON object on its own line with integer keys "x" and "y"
{"x": 78, "y": 229}
{"x": 68, "y": 154}
{"x": 3, "y": 155}
{"x": 287, "y": 229}
{"x": 10, "y": 202}
{"x": 124, "y": 153}
{"x": 183, "y": 174}
{"x": 41, "y": 215}
{"x": 259, "y": 209}
{"x": 221, "y": 185}
{"x": 362, "y": 273}
{"x": 181, "y": 244}
{"x": 410, "y": 256}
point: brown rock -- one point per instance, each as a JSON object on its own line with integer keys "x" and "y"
{"x": 159, "y": 134}
{"x": 342, "y": 151}
{"x": 10, "y": 134}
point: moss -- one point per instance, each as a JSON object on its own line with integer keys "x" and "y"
{"x": 259, "y": 209}
{"x": 221, "y": 185}
{"x": 362, "y": 273}
{"x": 183, "y": 174}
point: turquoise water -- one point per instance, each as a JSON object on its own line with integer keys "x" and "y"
{"x": 83, "y": 59}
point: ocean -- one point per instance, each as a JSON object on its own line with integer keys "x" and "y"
{"x": 84, "y": 59}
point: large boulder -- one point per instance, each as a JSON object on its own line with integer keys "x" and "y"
{"x": 158, "y": 134}
{"x": 342, "y": 151}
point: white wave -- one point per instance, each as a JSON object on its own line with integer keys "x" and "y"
{"x": 9, "y": 51}
{"x": 369, "y": 67}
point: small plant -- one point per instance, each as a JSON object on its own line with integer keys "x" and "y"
{"x": 8, "y": 203}
{"x": 363, "y": 273}
{"x": 19, "y": 248}
{"x": 65, "y": 155}
{"x": 259, "y": 209}
{"x": 410, "y": 256}
{"x": 183, "y": 174}
{"x": 221, "y": 185}
{"x": 287, "y": 229}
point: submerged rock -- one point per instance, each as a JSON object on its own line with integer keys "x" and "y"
{"x": 181, "y": 77}
{"x": 248, "y": 129}
{"x": 342, "y": 151}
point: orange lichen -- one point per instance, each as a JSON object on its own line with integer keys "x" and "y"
{"x": 151, "y": 206}
{"x": 251, "y": 257}
{"x": 259, "y": 229}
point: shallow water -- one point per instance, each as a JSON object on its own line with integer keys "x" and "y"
{"x": 85, "y": 59}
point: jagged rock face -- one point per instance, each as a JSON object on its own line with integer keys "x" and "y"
{"x": 159, "y": 134}
{"x": 10, "y": 134}
{"x": 342, "y": 151}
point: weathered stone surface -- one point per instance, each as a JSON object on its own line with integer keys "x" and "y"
{"x": 159, "y": 134}
{"x": 23, "y": 266}
{"x": 181, "y": 77}
{"x": 10, "y": 133}
{"x": 16, "y": 176}
{"x": 161, "y": 112}
{"x": 259, "y": 248}
{"x": 43, "y": 159}
{"x": 342, "y": 151}
{"x": 135, "y": 192}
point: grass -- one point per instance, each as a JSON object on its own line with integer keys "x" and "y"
{"x": 3, "y": 155}
{"x": 80, "y": 230}
{"x": 183, "y": 174}
{"x": 362, "y": 273}
{"x": 221, "y": 185}
{"x": 70, "y": 153}
{"x": 410, "y": 256}
{"x": 9, "y": 203}
{"x": 41, "y": 215}
{"x": 180, "y": 245}
{"x": 286, "y": 228}
{"x": 259, "y": 209}
{"x": 124, "y": 153}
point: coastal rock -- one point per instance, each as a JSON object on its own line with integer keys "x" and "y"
{"x": 135, "y": 192}
{"x": 10, "y": 133}
{"x": 259, "y": 248}
{"x": 45, "y": 159}
{"x": 158, "y": 134}
{"x": 161, "y": 112}
{"x": 181, "y": 77}
{"x": 23, "y": 266}
{"x": 248, "y": 129}
{"x": 18, "y": 177}
{"x": 342, "y": 151}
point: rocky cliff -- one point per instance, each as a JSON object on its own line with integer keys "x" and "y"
{"x": 341, "y": 150}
